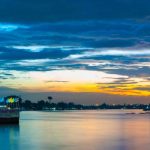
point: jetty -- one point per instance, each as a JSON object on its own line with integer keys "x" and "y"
{"x": 9, "y": 110}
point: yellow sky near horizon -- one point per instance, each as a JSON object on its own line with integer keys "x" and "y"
{"x": 79, "y": 81}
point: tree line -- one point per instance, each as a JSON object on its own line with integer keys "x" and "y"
{"x": 49, "y": 105}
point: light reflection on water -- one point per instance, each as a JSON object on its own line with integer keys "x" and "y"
{"x": 83, "y": 130}
{"x": 9, "y": 135}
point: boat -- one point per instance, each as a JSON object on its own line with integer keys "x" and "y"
{"x": 9, "y": 110}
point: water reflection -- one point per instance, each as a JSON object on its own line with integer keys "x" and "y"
{"x": 91, "y": 130}
{"x": 9, "y": 137}
{"x": 85, "y": 130}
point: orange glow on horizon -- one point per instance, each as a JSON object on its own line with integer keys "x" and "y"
{"x": 80, "y": 81}
{"x": 124, "y": 90}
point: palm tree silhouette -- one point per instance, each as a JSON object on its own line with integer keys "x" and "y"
{"x": 49, "y": 99}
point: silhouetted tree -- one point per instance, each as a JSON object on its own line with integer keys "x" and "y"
{"x": 71, "y": 105}
{"x": 28, "y": 105}
{"x": 62, "y": 106}
{"x": 50, "y": 98}
{"x": 40, "y": 105}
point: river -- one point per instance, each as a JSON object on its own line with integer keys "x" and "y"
{"x": 78, "y": 130}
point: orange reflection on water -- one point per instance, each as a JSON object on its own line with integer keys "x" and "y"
{"x": 85, "y": 130}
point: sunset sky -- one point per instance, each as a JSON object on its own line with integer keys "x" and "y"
{"x": 83, "y": 47}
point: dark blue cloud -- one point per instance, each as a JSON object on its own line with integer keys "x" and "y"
{"x": 20, "y": 54}
{"x": 69, "y": 34}
{"x": 135, "y": 72}
{"x": 55, "y": 10}
{"x": 112, "y": 33}
{"x": 75, "y": 37}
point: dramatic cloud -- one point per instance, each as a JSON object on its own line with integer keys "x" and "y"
{"x": 86, "y": 46}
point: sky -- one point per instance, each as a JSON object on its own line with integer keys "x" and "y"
{"x": 83, "y": 51}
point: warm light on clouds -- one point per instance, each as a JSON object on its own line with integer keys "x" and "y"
{"x": 78, "y": 81}
{"x": 75, "y": 76}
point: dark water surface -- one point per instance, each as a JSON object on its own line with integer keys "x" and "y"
{"x": 78, "y": 130}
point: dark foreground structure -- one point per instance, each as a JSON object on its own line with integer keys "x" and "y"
{"x": 14, "y": 120}
{"x": 9, "y": 110}
{"x": 9, "y": 116}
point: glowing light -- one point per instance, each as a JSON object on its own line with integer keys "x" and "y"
{"x": 11, "y": 100}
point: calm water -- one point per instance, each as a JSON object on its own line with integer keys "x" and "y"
{"x": 84, "y": 130}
